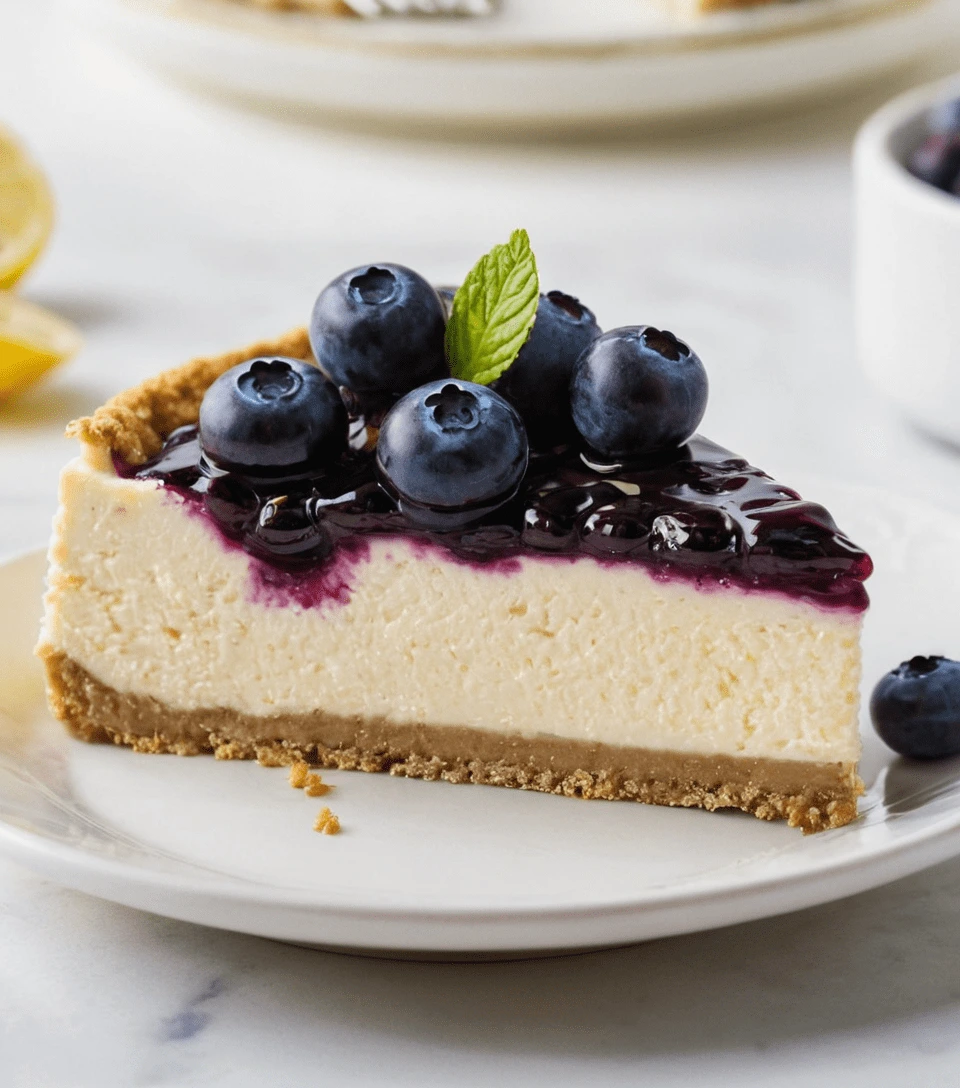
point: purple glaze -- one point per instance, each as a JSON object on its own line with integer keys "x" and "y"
{"x": 329, "y": 583}
{"x": 703, "y": 515}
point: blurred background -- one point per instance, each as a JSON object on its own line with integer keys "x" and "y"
{"x": 196, "y": 212}
{"x": 210, "y": 166}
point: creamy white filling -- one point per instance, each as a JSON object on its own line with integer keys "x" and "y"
{"x": 146, "y": 597}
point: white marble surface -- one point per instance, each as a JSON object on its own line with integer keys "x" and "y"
{"x": 188, "y": 226}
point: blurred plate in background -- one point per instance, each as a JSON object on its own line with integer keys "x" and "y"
{"x": 539, "y": 62}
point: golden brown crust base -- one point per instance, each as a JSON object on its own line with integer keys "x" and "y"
{"x": 812, "y": 796}
{"x": 134, "y": 423}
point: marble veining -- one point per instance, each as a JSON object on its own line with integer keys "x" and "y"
{"x": 194, "y": 1017}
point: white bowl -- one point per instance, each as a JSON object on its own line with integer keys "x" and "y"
{"x": 907, "y": 267}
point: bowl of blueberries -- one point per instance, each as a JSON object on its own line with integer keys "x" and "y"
{"x": 907, "y": 255}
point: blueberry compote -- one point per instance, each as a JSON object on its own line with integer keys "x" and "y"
{"x": 698, "y": 513}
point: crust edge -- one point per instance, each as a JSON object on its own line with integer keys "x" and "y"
{"x": 134, "y": 423}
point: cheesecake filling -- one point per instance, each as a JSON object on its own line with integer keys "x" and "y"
{"x": 145, "y": 598}
{"x": 809, "y": 795}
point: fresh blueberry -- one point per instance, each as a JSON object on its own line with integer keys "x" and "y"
{"x": 916, "y": 708}
{"x": 638, "y": 391}
{"x": 378, "y": 330}
{"x": 450, "y": 452}
{"x": 272, "y": 418}
{"x": 937, "y": 160}
{"x": 537, "y": 383}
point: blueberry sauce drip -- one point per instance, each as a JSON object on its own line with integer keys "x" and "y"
{"x": 703, "y": 515}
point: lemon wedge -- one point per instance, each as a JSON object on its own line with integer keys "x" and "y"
{"x": 26, "y": 211}
{"x": 32, "y": 341}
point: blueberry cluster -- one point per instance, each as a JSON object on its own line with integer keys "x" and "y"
{"x": 937, "y": 160}
{"x": 583, "y": 445}
{"x": 274, "y": 433}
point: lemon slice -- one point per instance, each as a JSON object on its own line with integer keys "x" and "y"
{"x": 32, "y": 341}
{"x": 26, "y": 210}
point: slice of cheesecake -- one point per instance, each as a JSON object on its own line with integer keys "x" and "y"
{"x": 681, "y": 631}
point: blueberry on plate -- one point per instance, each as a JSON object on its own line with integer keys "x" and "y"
{"x": 916, "y": 708}
{"x": 273, "y": 418}
{"x": 537, "y": 383}
{"x": 450, "y": 452}
{"x": 378, "y": 330}
{"x": 937, "y": 160}
{"x": 638, "y": 391}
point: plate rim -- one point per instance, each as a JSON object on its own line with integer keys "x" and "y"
{"x": 239, "y": 889}
{"x": 687, "y": 38}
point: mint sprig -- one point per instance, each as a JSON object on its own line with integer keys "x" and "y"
{"x": 493, "y": 312}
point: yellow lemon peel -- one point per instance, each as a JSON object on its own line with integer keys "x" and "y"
{"x": 26, "y": 210}
{"x": 32, "y": 341}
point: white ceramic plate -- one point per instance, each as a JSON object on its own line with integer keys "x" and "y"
{"x": 429, "y": 868}
{"x": 558, "y": 62}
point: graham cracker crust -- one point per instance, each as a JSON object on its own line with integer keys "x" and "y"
{"x": 808, "y": 795}
{"x": 134, "y": 423}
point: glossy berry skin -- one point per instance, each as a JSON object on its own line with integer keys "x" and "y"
{"x": 916, "y": 708}
{"x": 637, "y": 391}
{"x": 537, "y": 382}
{"x": 937, "y": 160}
{"x": 378, "y": 330}
{"x": 273, "y": 418}
{"x": 450, "y": 452}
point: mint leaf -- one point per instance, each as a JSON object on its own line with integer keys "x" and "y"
{"x": 493, "y": 311}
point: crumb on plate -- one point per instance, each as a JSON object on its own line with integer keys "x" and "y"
{"x": 314, "y": 786}
{"x": 327, "y": 823}
{"x": 299, "y": 774}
